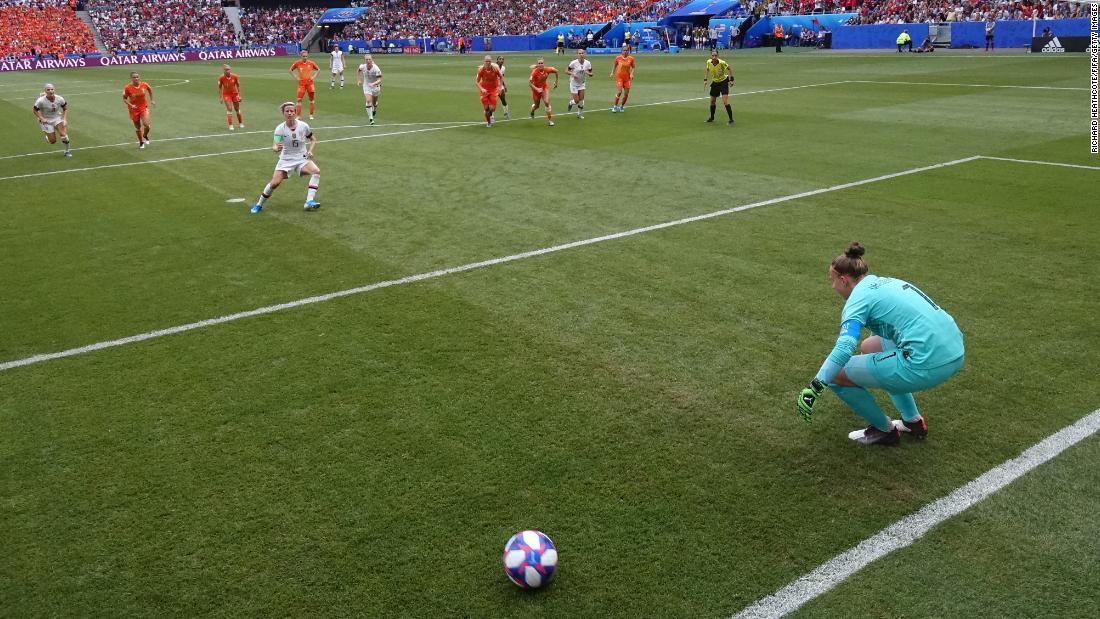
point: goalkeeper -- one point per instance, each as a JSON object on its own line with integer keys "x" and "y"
{"x": 915, "y": 345}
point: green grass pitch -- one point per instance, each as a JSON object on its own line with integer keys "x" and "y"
{"x": 633, "y": 398}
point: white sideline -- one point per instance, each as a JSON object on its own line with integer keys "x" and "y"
{"x": 456, "y": 125}
{"x": 967, "y": 85}
{"x": 911, "y": 528}
{"x": 457, "y": 269}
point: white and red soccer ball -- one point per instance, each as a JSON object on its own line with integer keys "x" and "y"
{"x": 530, "y": 559}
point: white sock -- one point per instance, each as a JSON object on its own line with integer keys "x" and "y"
{"x": 370, "y": 112}
{"x": 265, "y": 194}
{"x": 314, "y": 183}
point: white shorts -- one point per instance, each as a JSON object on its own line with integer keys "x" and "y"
{"x": 574, "y": 87}
{"x": 374, "y": 92}
{"x": 337, "y": 69}
{"x": 50, "y": 126}
{"x": 291, "y": 167}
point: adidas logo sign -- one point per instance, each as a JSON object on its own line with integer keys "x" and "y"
{"x": 1054, "y": 46}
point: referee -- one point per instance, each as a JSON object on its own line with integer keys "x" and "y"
{"x": 720, "y": 76}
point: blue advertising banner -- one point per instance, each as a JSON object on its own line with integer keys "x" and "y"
{"x": 342, "y": 16}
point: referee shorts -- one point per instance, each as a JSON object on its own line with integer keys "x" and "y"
{"x": 720, "y": 88}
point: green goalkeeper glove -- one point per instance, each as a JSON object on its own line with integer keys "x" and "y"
{"x": 807, "y": 397}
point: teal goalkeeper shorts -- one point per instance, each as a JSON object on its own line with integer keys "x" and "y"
{"x": 891, "y": 371}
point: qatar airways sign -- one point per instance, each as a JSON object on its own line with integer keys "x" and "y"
{"x": 117, "y": 61}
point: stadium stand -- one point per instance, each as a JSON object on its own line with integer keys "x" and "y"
{"x": 262, "y": 25}
{"x": 132, "y": 25}
{"x": 31, "y": 28}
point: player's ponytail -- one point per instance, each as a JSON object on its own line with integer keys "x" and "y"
{"x": 851, "y": 261}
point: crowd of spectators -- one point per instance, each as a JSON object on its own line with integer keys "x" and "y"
{"x": 923, "y": 11}
{"x": 271, "y": 25}
{"x": 132, "y": 25}
{"x": 398, "y": 19}
{"x": 32, "y": 28}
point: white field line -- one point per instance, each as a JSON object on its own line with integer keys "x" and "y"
{"x": 457, "y": 269}
{"x": 1050, "y": 163}
{"x": 457, "y": 125}
{"x": 967, "y": 85}
{"x": 116, "y": 91}
{"x": 229, "y": 134}
{"x": 911, "y": 528}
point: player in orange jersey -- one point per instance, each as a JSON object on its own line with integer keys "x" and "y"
{"x": 622, "y": 69}
{"x": 305, "y": 70}
{"x": 229, "y": 89}
{"x": 138, "y": 97}
{"x": 489, "y": 81}
{"x": 540, "y": 93}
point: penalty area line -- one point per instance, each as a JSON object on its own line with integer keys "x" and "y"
{"x": 270, "y": 309}
{"x": 911, "y": 528}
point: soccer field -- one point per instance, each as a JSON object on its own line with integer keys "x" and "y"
{"x": 596, "y": 329}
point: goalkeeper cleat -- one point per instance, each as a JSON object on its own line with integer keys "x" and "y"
{"x": 917, "y": 429}
{"x": 256, "y": 208}
{"x": 873, "y": 436}
{"x": 312, "y": 205}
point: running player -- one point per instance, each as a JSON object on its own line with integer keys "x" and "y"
{"x": 622, "y": 69}
{"x": 540, "y": 92}
{"x": 720, "y": 76}
{"x": 295, "y": 142}
{"x": 306, "y": 70}
{"x": 52, "y": 113}
{"x": 138, "y": 97}
{"x": 914, "y": 345}
{"x": 503, "y": 87}
{"x": 229, "y": 87}
{"x": 489, "y": 81}
{"x": 369, "y": 76}
{"x": 336, "y": 66}
{"x": 578, "y": 70}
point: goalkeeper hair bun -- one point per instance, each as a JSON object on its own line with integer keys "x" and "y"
{"x": 851, "y": 261}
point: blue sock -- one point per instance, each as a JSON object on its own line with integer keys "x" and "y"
{"x": 906, "y": 405}
{"x": 864, "y": 404}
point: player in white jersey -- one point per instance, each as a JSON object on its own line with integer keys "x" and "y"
{"x": 52, "y": 113}
{"x": 294, "y": 141}
{"x": 578, "y": 70}
{"x": 336, "y": 66}
{"x": 369, "y": 76}
{"x": 503, "y": 87}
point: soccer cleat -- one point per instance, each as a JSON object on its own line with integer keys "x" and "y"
{"x": 506, "y": 116}
{"x": 729, "y": 123}
{"x": 917, "y": 429}
{"x": 372, "y": 122}
{"x": 312, "y": 205}
{"x": 256, "y": 208}
{"x": 709, "y": 120}
{"x": 141, "y": 145}
{"x": 570, "y": 107}
{"x": 311, "y": 116}
{"x": 68, "y": 154}
{"x": 230, "y": 127}
{"x": 873, "y": 436}
{"x": 532, "y": 113}
{"x": 550, "y": 123}
{"x": 614, "y": 109}
{"x": 622, "y": 110}
{"x": 580, "y": 116}
{"x": 240, "y": 126}
{"x": 488, "y": 125}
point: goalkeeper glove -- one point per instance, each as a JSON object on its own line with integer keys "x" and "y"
{"x": 807, "y": 397}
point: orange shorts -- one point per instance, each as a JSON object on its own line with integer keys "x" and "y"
{"x": 232, "y": 98}
{"x": 305, "y": 89}
{"x": 537, "y": 96}
{"x": 489, "y": 99}
{"x": 622, "y": 82}
{"x": 136, "y": 113}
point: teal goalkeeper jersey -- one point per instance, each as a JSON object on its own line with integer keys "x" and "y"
{"x": 899, "y": 311}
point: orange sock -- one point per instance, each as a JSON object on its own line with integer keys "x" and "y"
{"x": 229, "y": 119}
